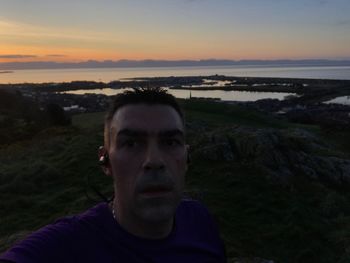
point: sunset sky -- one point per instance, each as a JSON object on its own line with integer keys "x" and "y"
{"x": 80, "y": 30}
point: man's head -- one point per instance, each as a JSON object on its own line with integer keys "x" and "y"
{"x": 151, "y": 96}
{"x": 145, "y": 142}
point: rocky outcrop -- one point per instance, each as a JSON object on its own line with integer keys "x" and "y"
{"x": 281, "y": 153}
{"x": 219, "y": 148}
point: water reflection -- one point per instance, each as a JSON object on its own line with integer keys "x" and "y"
{"x": 345, "y": 100}
{"x": 223, "y": 95}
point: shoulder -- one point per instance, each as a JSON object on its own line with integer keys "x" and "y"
{"x": 192, "y": 208}
{"x": 196, "y": 225}
{"x": 52, "y": 242}
{"x": 42, "y": 243}
{"x": 194, "y": 216}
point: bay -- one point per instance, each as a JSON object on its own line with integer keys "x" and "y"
{"x": 185, "y": 94}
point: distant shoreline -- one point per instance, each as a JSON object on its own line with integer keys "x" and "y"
{"x": 122, "y": 74}
{"x": 151, "y": 63}
{"x": 6, "y": 71}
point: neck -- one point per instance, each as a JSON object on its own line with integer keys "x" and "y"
{"x": 142, "y": 228}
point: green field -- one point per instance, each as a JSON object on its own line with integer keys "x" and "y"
{"x": 296, "y": 220}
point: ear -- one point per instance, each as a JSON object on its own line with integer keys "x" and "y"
{"x": 103, "y": 160}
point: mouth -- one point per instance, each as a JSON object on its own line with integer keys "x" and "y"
{"x": 155, "y": 191}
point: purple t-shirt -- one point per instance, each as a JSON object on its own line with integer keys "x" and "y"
{"x": 94, "y": 236}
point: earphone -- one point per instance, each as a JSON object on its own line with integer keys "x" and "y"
{"x": 103, "y": 156}
{"x": 103, "y": 159}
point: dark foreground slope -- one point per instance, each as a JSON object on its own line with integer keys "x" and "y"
{"x": 279, "y": 191}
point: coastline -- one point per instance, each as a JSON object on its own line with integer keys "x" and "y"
{"x": 307, "y": 90}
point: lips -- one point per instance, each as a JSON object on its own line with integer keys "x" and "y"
{"x": 155, "y": 190}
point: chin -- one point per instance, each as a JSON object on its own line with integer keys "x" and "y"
{"x": 157, "y": 211}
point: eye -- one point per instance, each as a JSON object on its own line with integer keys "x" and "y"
{"x": 172, "y": 142}
{"x": 130, "y": 143}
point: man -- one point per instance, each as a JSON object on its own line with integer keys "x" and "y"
{"x": 148, "y": 221}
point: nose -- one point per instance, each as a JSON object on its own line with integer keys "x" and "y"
{"x": 154, "y": 158}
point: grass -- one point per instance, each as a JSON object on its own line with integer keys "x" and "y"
{"x": 49, "y": 178}
{"x": 259, "y": 217}
{"x": 89, "y": 121}
{"x": 219, "y": 114}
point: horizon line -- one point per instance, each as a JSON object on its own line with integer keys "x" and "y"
{"x": 170, "y": 63}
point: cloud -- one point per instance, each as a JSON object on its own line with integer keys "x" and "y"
{"x": 55, "y": 55}
{"x": 33, "y": 31}
{"x": 343, "y": 22}
{"x": 18, "y": 56}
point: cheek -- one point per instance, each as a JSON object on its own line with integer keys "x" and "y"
{"x": 124, "y": 161}
{"x": 124, "y": 176}
{"x": 125, "y": 169}
{"x": 180, "y": 164}
{"x": 181, "y": 158}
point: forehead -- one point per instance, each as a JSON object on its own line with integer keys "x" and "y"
{"x": 149, "y": 118}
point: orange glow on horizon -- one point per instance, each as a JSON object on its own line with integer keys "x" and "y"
{"x": 74, "y": 55}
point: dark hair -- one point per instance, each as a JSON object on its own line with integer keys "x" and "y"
{"x": 150, "y": 96}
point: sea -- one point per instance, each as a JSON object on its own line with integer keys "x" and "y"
{"x": 122, "y": 74}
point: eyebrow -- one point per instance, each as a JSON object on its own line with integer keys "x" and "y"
{"x": 141, "y": 133}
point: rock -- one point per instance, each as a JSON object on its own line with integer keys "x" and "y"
{"x": 217, "y": 152}
{"x": 343, "y": 168}
{"x": 282, "y": 153}
{"x": 217, "y": 149}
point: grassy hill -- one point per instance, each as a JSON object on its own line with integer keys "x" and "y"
{"x": 298, "y": 219}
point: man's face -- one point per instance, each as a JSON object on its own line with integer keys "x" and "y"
{"x": 148, "y": 161}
